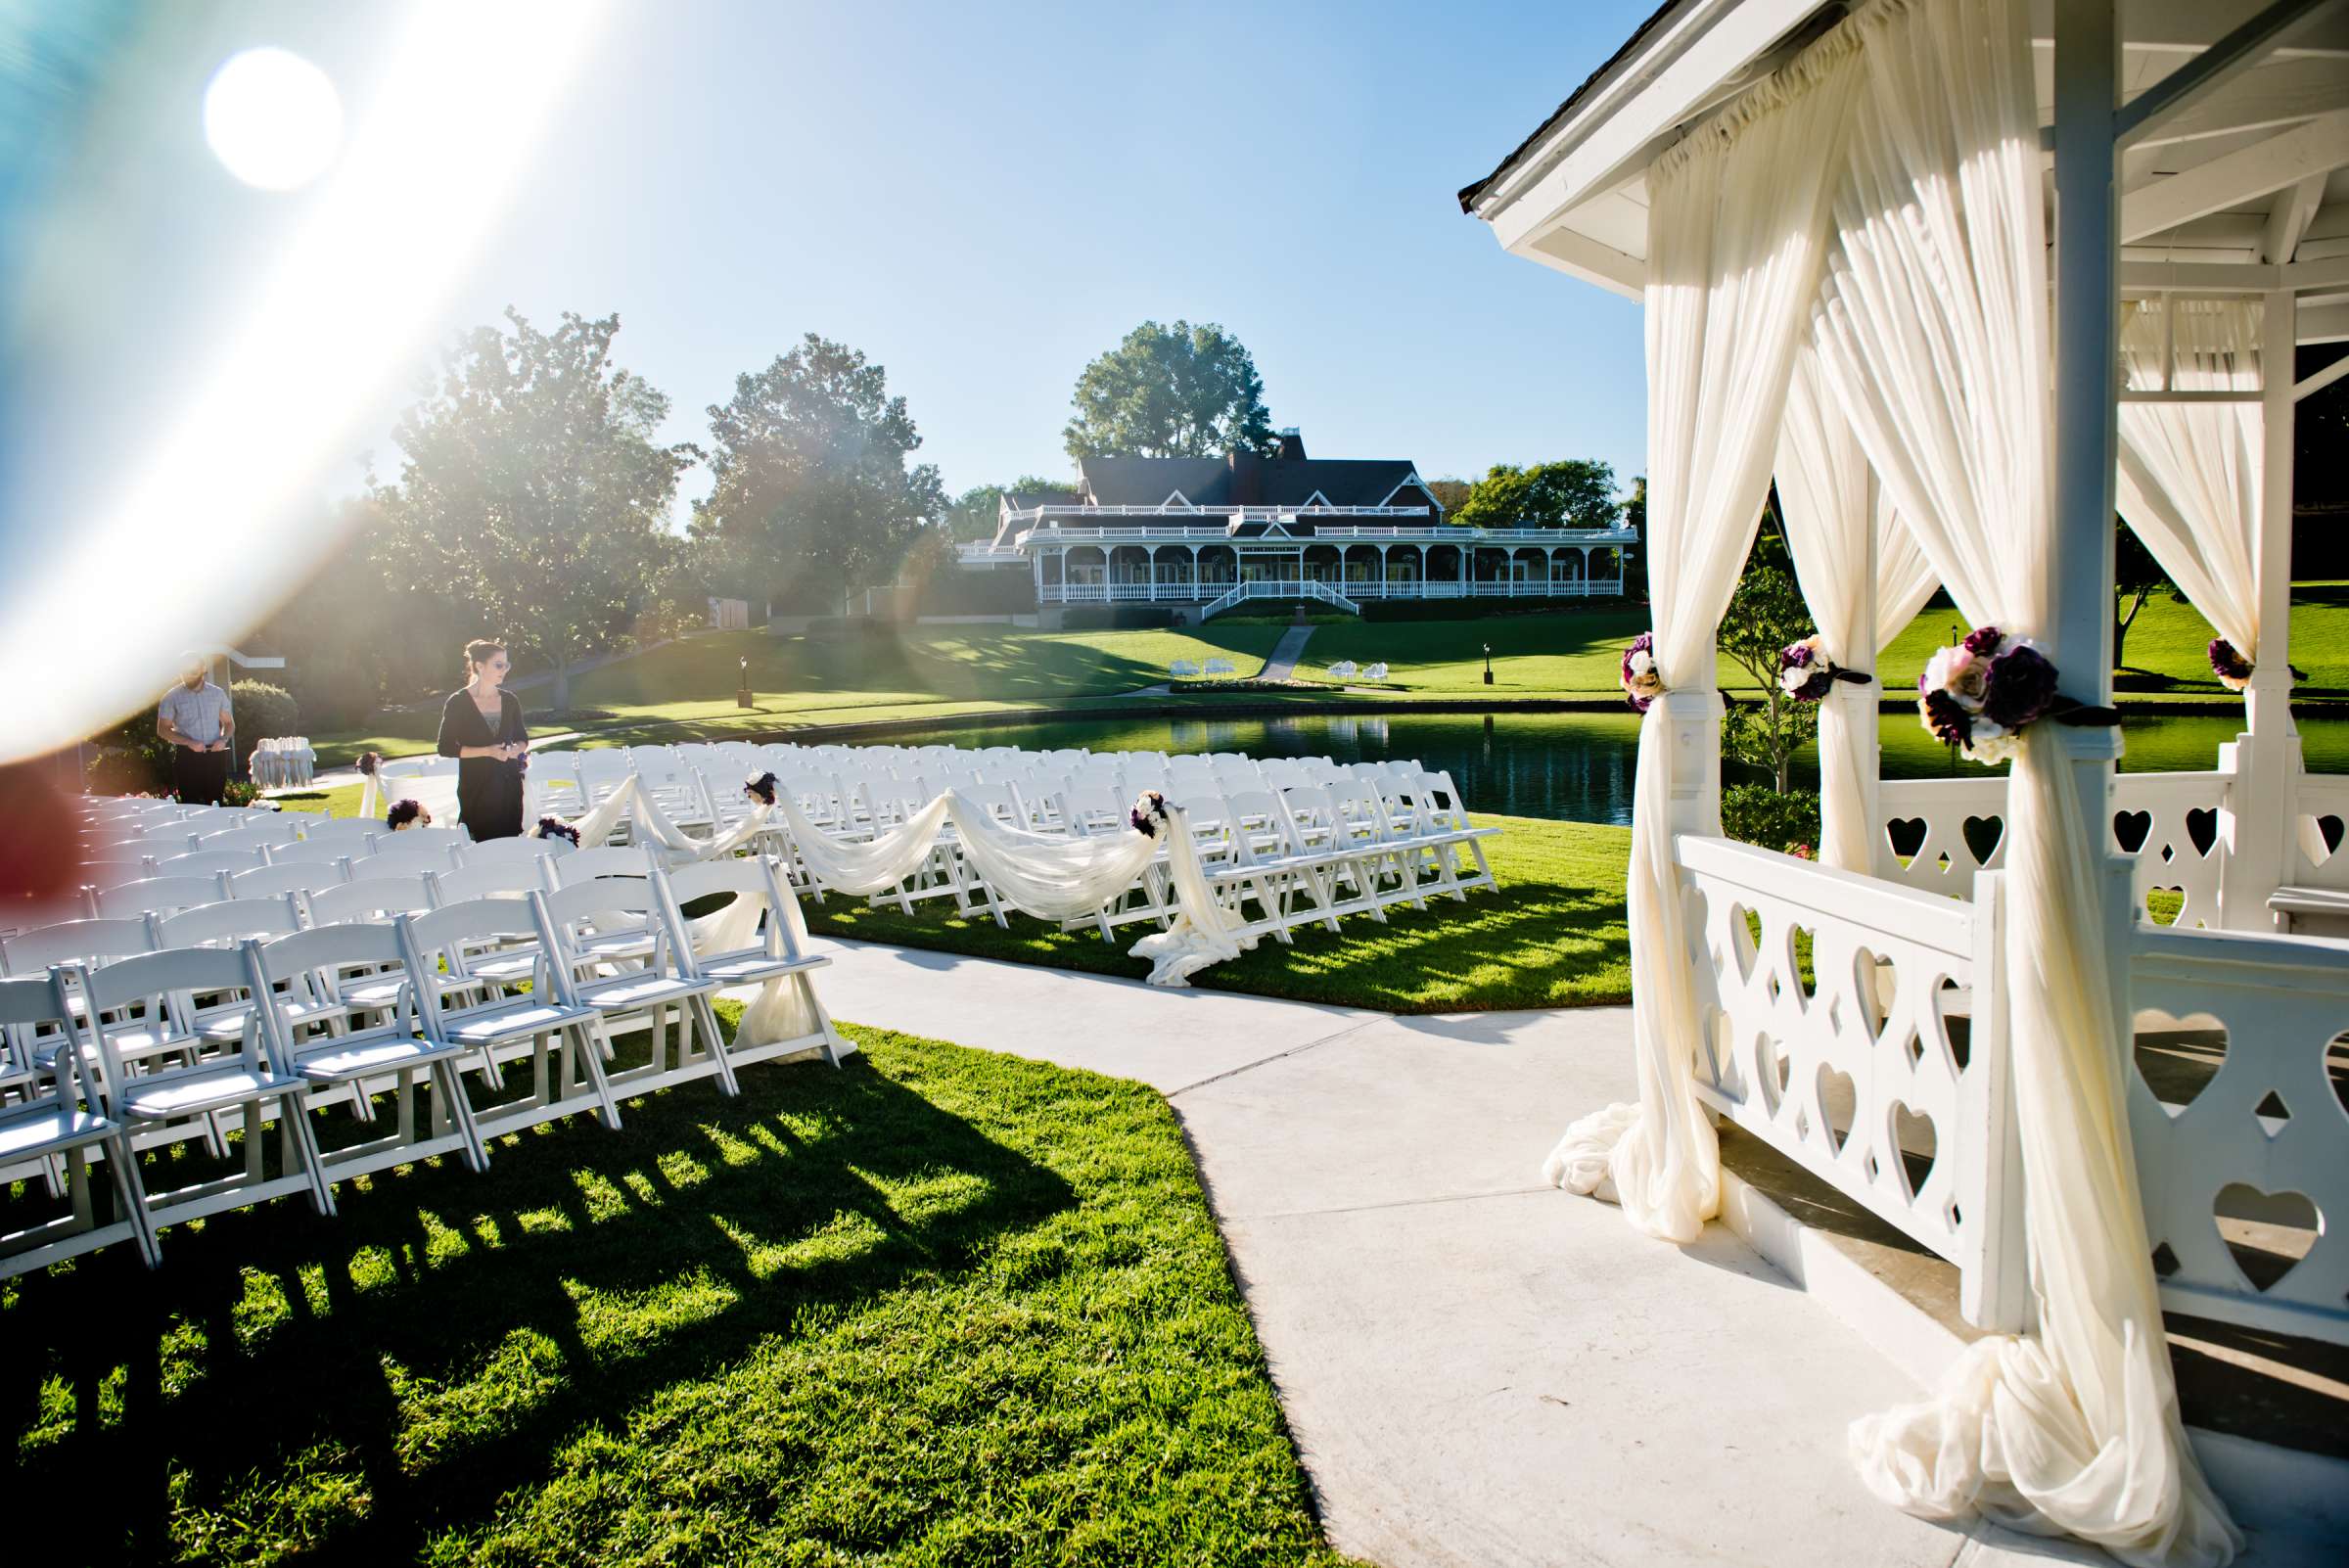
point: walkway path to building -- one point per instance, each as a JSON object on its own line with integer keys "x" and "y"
{"x": 1281, "y": 664}
{"x": 1479, "y": 1369}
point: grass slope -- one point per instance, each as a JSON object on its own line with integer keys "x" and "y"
{"x": 1553, "y": 935}
{"x": 937, "y": 1307}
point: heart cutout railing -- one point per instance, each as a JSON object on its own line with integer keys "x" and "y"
{"x": 2129, "y": 829}
{"x": 2266, "y": 1234}
{"x": 2202, "y": 828}
{"x": 2178, "y": 1057}
{"x": 1838, "y": 1096}
{"x": 1982, "y": 835}
{"x": 1913, "y": 1135}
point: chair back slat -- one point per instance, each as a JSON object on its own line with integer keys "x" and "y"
{"x": 231, "y": 920}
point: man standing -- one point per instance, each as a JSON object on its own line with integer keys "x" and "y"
{"x": 194, "y": 717}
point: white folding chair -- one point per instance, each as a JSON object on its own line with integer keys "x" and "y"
{"x": 301, "y": 976}
{"x": 156, "y": 896}
{"x": 646, "y": 998}
{"x": 148, "y": 1092}
{"x": 207, "y": 862}
{"x": 300, "y": 877}
{"x": 564, "y": 1039}
{"x": 58, "y": 1114}
{"x": 766, "y": 948}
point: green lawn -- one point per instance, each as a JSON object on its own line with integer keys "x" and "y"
{"x": 937, "y": 1307}
{"x": 1552, "y": 935}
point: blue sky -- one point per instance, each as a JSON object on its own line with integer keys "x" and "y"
{"x": 983, "y": 197}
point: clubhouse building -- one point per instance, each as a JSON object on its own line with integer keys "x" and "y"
{"x": 1214, "y": 533}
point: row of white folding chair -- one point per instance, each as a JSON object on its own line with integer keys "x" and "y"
{"x": 579, "y": 997}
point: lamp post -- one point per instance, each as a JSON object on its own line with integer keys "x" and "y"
{"x": 742, "y": 693}
{"x": 1487, "y": 663}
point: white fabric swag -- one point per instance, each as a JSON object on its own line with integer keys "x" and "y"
{"x": 1863, "y": 576}
{"x": 2190, "y": 480}
{"x": 1051, "y": 877}
{"x": 1933, "y": 331}
{"x": 1737, "y": 223}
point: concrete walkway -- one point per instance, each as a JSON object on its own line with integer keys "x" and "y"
{"x": 1479, "y": 1369}
{"x": 1282, "y": 662}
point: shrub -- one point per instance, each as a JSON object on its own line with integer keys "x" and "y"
{"x": 1757, "y": 815}
{"x": 263, "y": 712}
{"x": 240, "y": 792}
{"x": 1116, "y": 617}
{"x": 132, "y": 758}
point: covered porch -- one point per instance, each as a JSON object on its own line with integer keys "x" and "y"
{"x": 1963, "y": 276}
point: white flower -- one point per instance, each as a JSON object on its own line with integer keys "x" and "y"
{"x": 1959, "y": 674}
{"x": 1992, "y": 744}
{"x": 1640, "y": 662}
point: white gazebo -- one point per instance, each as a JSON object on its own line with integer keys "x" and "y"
{"x": 1964, "y": 276}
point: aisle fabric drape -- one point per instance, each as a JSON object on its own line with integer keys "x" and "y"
{"x": 1050, "y": 877}
{"x": 1932, "y": 330}
{"x": 2191, "y": 478}
{"x": 1737, "y": 224}
{"x": 1823, "y": 492}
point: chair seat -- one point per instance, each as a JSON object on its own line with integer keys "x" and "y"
{"x": 369, "y": 1055}
{"x": 752, "y": 965}
{"x": 488, "y": 1026}
{"x": 627, "y": 993}
{"x": 29, "y": 1134}
{"x": 206, "y": 1089}
{"x": 623, "y": 943}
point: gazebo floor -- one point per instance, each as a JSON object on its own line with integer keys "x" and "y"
{"x": 2268, "y": 1388}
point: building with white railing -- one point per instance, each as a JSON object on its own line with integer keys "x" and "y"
{"x": 1966, "y": 277}
{"x": 1215, "y": 532}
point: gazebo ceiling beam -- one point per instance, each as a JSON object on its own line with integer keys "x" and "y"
{"x": 2260, "y": 98}
{"x": 2315, "y": 147}
{"x": 2186, "y": 84}
{"x": 2308, "y": 386}
{"x": 2288, "y": 219}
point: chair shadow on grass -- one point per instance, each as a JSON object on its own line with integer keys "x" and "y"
{"x": 334, "y": 1384}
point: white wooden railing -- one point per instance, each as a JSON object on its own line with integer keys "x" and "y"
{"x": 1184, "y": 590}
{"x": 2322, "y": 804}
{"x": 2239, "y": 1115}
{"x": 1876, "y": 1071}
{"x": 1243, "y": 592}
{"x": 1938, "y": 833}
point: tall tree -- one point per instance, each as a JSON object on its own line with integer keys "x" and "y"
{"x": 1170, "y": 392}
{"x": 2136, "y": 576}
{"x": 1450, "y": 493}
{"x": 1765, "y": 614}
{"x": 973, "y": 512}
{"x": 1573, "y": 493}
{"x": 531, "y": 487}
{"x": 1635, "y": 518}
{"x": 811, "y": 493}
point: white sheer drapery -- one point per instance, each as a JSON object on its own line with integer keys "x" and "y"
{"x": 2190, "y": 480}
{"x": 1050, "y": 877}
{"x": 1736, "y": 226}
{"x": 1933, "y": 333}
{"x": 1823, "y": 490}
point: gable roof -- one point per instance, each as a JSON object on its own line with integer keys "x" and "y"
{"x": 1469, "y": 193}
{"x": 1242, "y": 479}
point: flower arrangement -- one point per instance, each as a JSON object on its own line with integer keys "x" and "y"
{"x": 1980, "y": 695}
{"x": 554, "y": 827}
{"x": 2233, "y": 668}
{"x": 1149, "y": 809}
{"x": 761, "y": 789}
{"x": 371, "y": 763}
{"x": 1805, "y": 674}
{"x": 405, "y": 813}
{"x": 1643, "y": 683}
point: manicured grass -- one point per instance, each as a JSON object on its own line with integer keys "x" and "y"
{"x": 1553, "y": 935}
{"x": 937, "y": 1307}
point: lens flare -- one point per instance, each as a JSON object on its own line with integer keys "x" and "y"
{"x": 272, "y": 119}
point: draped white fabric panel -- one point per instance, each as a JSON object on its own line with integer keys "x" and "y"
{"x": 1052, "y": 878}
{"x": 1933, "y": 333}
{"x": 1737, "y": 224}
{"x": 2191, "y": 478}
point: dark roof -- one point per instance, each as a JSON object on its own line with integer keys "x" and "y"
{"x": 1027, "y": 500}
{"x": 1242, "y": 479}
{"x": 1469, "y": 193}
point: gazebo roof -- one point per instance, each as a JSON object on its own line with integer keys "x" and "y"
{"x": 2233, "y": 179}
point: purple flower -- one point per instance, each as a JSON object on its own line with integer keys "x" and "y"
{"x": 554, "y": 827}
{"x": 2022, "y": 683}
{"x": 1797, "y": 656}
{"x": 370, "y": 764}
{"x": 1147, "y": 809}
{"x": 1983, "y": 641}
{"x": 2225, "y": 663}
{"x": 1952, "y": 725}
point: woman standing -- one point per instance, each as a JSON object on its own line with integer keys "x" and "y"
{"x": 481, "y": 727}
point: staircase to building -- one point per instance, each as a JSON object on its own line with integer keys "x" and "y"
{"x": 1318, "y": 593}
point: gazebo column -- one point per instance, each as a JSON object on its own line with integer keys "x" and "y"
{"x": 2077, "y": 566}
{"x": 2264, "y": 820}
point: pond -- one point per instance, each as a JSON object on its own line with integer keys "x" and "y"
{"x": 1574, "y": 766}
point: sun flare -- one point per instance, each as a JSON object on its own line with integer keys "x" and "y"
{"x": 272, "y": 119}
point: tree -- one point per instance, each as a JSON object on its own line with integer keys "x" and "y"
{"x": 1573, "y": 493}
{"x": 2135, "y": 574}
{"x": 1765, "y": 614}
{"x": 1449, "y": 492}
{"x": 975, "y": 513}
{"x": 811, "y": 494}
{"x": 1635, "y": 518}
{"x": 531, "y": 487}
{"x": 1170, "y": 392}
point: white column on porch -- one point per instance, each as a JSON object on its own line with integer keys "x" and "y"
{"x": 2264, "y": 820}
{"x": 1151, "y": 550}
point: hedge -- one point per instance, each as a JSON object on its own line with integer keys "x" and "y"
{"x": 1116, "y": 617}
